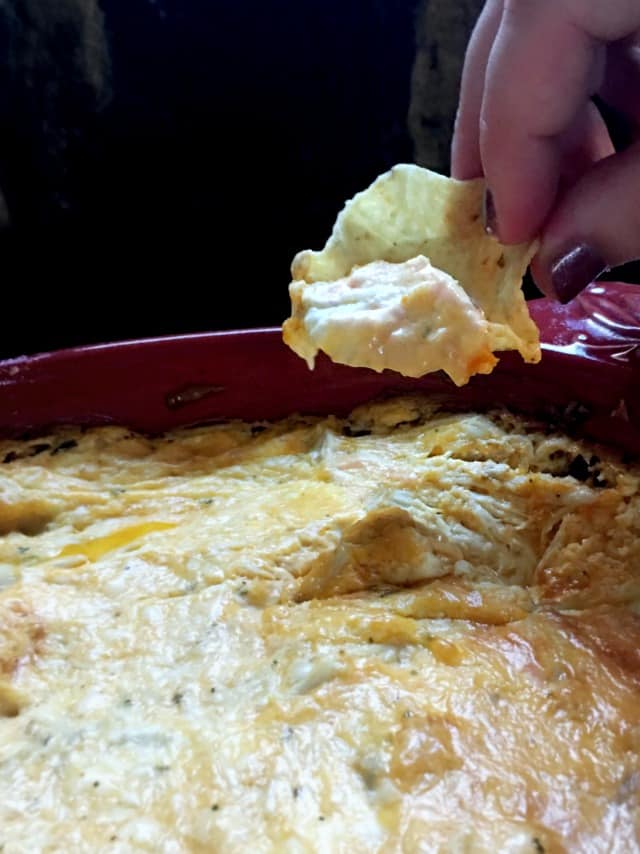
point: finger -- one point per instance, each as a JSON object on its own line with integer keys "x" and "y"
{"x": 541, "y": 72}
{"x": 609, "y": 21}
{"x": 586, "y": 142}
{"x": 595, "y": 226}
{"x": 465, "y": 150}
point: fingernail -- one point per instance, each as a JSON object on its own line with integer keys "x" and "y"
{"x": 573, "y": 271}
{"x": 489, "y": 214}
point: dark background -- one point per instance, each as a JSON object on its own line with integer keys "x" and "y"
{"x": 161, "y": 161}
{"x": 223, "y": 138}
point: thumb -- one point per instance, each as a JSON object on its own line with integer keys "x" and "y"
{"x": 595, "y": 226}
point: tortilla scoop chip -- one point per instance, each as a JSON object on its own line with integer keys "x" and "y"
{"x": 444, "y": 278}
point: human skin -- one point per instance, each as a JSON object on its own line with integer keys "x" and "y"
{"x": 527, "y": 122}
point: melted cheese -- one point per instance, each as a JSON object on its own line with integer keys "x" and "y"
{"x": 96, "y": 548}
{"x": 410, "y": 280}
{"x": 410, "y": 317}
{"x": 407, "y": 631}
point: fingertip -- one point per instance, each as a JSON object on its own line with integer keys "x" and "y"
{"x": 594, "y": 227}
{"x": 523, "y": 178}
{"x": 565, "y": 274}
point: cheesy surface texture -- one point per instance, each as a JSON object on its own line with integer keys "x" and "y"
{"x": 406, "y": 631}
{"x": 410, "y": 317}
{"x": 410, "y": 281}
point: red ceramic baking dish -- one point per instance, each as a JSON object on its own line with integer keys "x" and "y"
{"x": 589, "y": 370}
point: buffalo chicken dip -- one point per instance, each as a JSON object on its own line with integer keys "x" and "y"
{"x": 409, "y": 630}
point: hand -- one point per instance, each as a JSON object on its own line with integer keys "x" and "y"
{"x": 526, "y": 122}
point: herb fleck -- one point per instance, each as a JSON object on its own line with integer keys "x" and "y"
{"x": 538, "y": 845}
{"x": 96, "y": 783}
{"x": 177, "y": 698}
{"x": 215, "y": 807}
{"x": 296, "y": 791}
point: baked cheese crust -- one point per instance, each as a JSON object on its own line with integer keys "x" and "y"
{"x": 407, "y": 631}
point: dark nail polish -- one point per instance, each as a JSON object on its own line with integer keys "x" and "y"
{"x": 489, "y": 214}
{"x": 573, "y": 271}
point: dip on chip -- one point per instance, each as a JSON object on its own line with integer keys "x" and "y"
{"x": 409, "y": 280}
